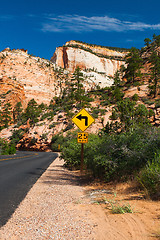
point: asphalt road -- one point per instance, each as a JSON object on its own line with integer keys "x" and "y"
{"x": 18, "y": 173}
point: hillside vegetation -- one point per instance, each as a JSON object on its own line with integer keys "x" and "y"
{"x": 125, "y": 147}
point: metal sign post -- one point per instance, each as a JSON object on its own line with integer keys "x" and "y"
{"x": 82, "y": 157}
{"x": 83, "y": 120}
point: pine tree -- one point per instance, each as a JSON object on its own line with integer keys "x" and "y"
{"x": 6, "y": 115}
{"x": 134, "y": 64}
{"x": 17, "y": 111}
{"x": 147, "y": 41}
{"x": 117, "y": 93}
{"x": 77, "y": 89}
{"x": 32, "y": 111}
{"x": 155, "y": 73}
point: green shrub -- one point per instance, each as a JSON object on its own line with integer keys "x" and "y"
{"x": 33, "y": 141}
{"x": 16, "y": 136}
{"x": 149, "y": 178}
{"x": 56, "y": 141}
{"x": 135, "y": 97}
{"x": 7, "y": 148}
{"x": 116, "y": 156}
{"x": 71, "y": 153}
{"x": 121, "y": 209}
{"x": 95, "y": 113}
{"x": 68, "y": 127}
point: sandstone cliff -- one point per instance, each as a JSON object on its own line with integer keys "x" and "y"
{"x": 12, "y": 92}
{"x": 28, "y": 77}
{"x": 103, "y": 60}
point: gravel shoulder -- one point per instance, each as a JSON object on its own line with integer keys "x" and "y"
{"x": 50, "y": 211}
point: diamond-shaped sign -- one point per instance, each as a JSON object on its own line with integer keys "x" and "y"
{"x": 83, "y": 120}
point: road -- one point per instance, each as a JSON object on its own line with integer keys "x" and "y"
{"x": 18, "y": 173}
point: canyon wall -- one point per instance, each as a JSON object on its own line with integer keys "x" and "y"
{"x": 103, "y": 60}
{"x": 28, "y": 77}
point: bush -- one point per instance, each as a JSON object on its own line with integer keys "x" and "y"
{"x": 56, "y": 141}
{"x": 33, "y": 141}
{"x": 116, "y": 156}
{"x": 149, "y": 178}
{"x": 16, "y": 136}
{"x": 135, "y": 97}
{"x": 7, "y": 148}
{"x": 71, "y": 153}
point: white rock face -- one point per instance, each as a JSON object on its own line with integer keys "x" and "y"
{"x": 89, "y": 60}
{"x": 97, "y": 79}
{"x": 97, "y": 49}
{"x": 100, "y": 70}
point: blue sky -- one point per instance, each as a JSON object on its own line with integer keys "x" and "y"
{"x": 41, "y": 26}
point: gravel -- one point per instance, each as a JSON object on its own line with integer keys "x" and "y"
{"x": 52, "y": 209}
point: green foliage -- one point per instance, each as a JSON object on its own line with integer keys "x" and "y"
{"x": 69, "y": 127}
{"x": 149, "y": 178}
{"x": 5, "y": 116}
{"x": 157, "y": 105}
{"x": 44, "y": 136}
{"x": 71, "y": 153}
{"x": 155, "y": 73}
{"x": 147, "y": 41}
{"x": 115, "y": 156}
{"x": 16, "y": 136}
{"x": 134, "y": 64}
{"x": 120, "y": 209}
{"x": 135, "y": 97}
{"x": 57, "y": 140}
{"x": 77, "y": 86}
{"x": 48, "y": 115}
{"x": 6, "y": 148}
{"x": 95, "y": 45}
{"x": 17, "y": 112}
{"x": 33, "y": 141}
{"x": 32, "y": 112}
{"x": 130, "y": 115}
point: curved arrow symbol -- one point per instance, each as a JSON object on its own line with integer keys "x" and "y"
{"x": 80, "y": 117}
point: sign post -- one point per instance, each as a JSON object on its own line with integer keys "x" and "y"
{"x": 83, "y": 120}
{"x": 82, "y": 157}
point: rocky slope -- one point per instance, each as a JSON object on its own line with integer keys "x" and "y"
{"x": 12, "y": 92}
{"x": 28, "y": 76}
{"x": 23, "y": 77}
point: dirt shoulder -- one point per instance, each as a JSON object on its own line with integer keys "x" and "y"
{"x": 59, "y": 207}
{"x": 143, "y": 223}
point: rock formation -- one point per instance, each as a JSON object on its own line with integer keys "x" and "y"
{"x": 101, "y": 59}
{"x": 27, "y": 77}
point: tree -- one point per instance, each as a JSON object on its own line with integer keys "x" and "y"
{"x": 130, "y": 115}
{"x": 117, "y": 93}
{"x": 77, "y": 89}
{"x": 147, "y": 41}
{"x": 134, "y": 64}
{"x": 32, "y": 111}
{"x": 156, "y": 40}
{"x": 6, "y": 115}
{"x": 17, "y": 111}
{"x": 155, "y": 73}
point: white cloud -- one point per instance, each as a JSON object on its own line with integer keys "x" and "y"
{"x": 76, "y": 23}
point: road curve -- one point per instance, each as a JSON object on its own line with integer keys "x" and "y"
{"x": 18, "y": 173}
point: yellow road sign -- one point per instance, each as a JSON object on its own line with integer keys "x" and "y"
{"x": 83, "y": 120}
{"x": 82, "y": 137}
